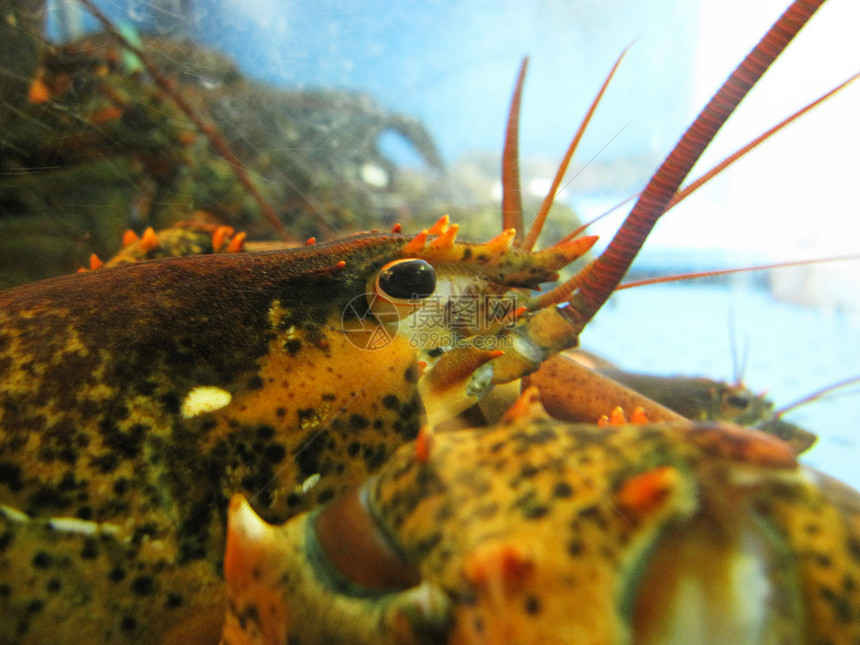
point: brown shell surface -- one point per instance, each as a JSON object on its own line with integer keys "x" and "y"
{"x": 524, "y": 522}
{"x": 126, "y": 497}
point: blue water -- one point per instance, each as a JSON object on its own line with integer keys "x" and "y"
{"x": 450, "y": 63}
{"x": 791, "y": 351}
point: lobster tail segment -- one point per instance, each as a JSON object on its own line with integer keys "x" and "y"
{"x": 600, "y": 278}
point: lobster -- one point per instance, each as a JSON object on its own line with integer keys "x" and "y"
{"x": 139, "y": 400}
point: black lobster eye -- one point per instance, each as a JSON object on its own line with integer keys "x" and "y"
{"x": 738, "y": 401}
{"x": 407, "y": 279}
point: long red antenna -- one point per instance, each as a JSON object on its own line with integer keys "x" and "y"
{"x": 601, "y": 277}
{"x": 690, "y": 188}
{"x": 715, "y": 273}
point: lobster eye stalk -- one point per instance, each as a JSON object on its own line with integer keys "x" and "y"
{"x": 603, "y": 275}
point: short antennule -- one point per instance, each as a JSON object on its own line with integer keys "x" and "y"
{"x": 540, "y": 217}
{"x": 512, "y": 201}
{"x": 602, "y": 276}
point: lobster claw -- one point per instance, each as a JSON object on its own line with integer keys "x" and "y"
{"x": 254, "y": 614}
{"x": 266, "y": 564}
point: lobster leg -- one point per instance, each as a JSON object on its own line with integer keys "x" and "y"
{"x": 572, "y": 392}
